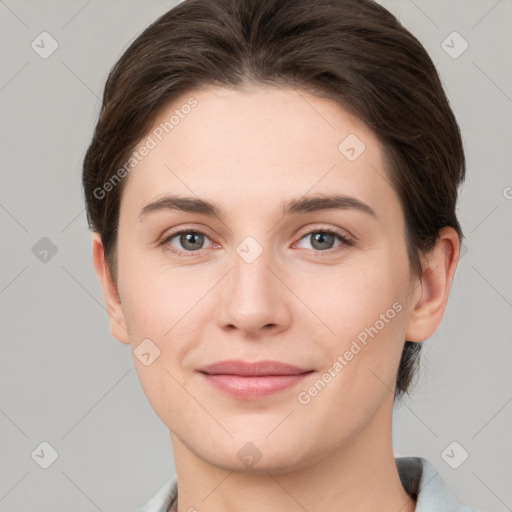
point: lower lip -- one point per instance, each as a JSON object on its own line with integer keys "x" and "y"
{"x": 248, "y": 388}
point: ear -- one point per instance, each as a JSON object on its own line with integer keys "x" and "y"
{"x": 112, "y": 300}
{"x": 432, "y": 290}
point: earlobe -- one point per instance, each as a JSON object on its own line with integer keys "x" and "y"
{"x": 434, "y": 286}
{"x": 110, "y": 293}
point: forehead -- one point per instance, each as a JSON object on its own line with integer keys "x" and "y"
{"x": 259, "y": 143}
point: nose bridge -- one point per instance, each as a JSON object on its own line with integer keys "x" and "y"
{"x": 250, "y": 272}
{"x": 254, "y": 299}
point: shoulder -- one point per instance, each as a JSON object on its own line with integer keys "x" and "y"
{"x": 163, "y": 499}
{"x": 422, "y": 481}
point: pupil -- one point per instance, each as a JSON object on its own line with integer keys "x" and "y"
{"x": 321, "y": 238}
{"x": 188, "y": 239}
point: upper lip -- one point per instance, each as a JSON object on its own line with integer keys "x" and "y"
{"x": 243, "y": 368}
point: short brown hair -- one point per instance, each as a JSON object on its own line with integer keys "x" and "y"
{"x": 352, "y": 51}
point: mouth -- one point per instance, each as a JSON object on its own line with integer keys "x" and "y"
{"x": 249, "y": 381}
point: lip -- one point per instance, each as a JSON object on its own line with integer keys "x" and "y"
{"x": 248, "y": 381}
{"x": 248, "y": 369}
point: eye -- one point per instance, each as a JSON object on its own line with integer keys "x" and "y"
{"x": 190, "y": 241}
{"x": 324, "y": 240}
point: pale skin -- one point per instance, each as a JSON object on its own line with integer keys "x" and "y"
{"x": 297, "y": 302}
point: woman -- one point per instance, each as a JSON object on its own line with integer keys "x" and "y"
{"x": 272, "y": 187}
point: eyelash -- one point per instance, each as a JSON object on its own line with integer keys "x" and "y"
{"x": 346, "y": 242}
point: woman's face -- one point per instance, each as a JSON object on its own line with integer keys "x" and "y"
{"x": 277, "y": 276}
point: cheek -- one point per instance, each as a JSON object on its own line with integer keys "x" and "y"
{"x": 165, "y": 314}
{"x": 354, "y": 298}
{"x": 367, "y": 314}
{"x": 364, "y": 319}
{"x": 154, "y": 299}
{"x": 165, "y": 308}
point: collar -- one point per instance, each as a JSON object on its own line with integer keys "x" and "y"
{"x": 418, "y": 476}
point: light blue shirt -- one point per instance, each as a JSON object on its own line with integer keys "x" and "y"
{"x": 418, "y": 476}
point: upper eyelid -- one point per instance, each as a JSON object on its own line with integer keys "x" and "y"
{"x": 336, "y": 230}
{"x": 179, "y": 231}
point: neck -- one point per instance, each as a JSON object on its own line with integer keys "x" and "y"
{"x": 358, "y": 475}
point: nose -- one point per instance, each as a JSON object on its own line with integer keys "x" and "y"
{"x": 254, "y": 300}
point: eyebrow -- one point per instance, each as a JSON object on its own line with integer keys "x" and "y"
{"x": 302, "y": 205}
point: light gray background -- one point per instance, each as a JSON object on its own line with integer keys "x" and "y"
{"x": 66, "y": 381}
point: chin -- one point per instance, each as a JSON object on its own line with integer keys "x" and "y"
{"x": 258, "y": 455}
